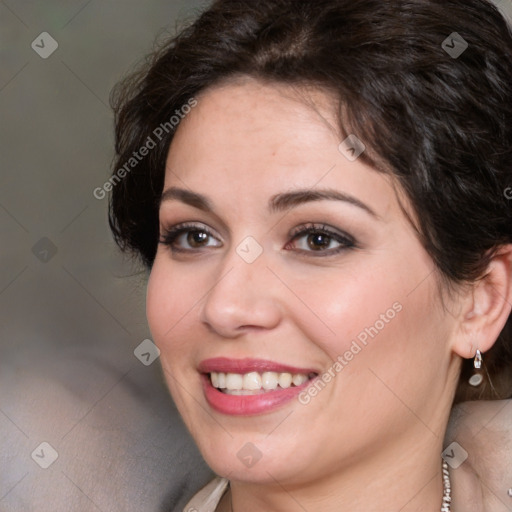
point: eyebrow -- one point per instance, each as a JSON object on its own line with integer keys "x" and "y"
{"x": 185, "y": 196}
{"x": 288, "y": 200}
{"x": 277, "y": 203}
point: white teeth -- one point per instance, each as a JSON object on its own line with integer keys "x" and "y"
{"x": 234, "y": 381}
{"x": 239, "y": 392}
{"x": 299, "y": 379}
{"x": 270, "y": 380}
{"x": 249, "y": 383}
{"x": 285, "y": 380}
{"x": 252, "y": 381}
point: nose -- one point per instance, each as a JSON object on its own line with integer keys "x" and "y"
{"x": 243, "y": 297}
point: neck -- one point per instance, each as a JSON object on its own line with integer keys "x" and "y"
{"x": 405, "y": 478}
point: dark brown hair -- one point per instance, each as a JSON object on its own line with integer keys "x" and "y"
{"x": 438, "y": 122}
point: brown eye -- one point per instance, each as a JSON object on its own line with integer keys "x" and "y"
{"x": 187, "y": 238}
{"x": 319, "y": 241}
{"x": 197, "y": 238}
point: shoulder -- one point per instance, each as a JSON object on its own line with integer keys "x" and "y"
{"x": 207, "y": 499}
{"x": 482, "y": 467}
{"x": 485, "y": 426}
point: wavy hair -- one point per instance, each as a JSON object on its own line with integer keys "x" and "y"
{"x": 439, "y": 123}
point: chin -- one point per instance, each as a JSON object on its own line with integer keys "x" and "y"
{"x": 253, "y": 458}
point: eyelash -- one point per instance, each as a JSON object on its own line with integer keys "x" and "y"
{"x": 346, "y": 241}
{"x": 171, "y": 235}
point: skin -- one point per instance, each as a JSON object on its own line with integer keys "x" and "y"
{"x": 372, "y": 438}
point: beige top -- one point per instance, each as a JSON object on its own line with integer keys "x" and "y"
{"x": 208, "y": 498}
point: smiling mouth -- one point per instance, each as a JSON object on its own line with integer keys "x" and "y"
{"x": 255, "y": 383}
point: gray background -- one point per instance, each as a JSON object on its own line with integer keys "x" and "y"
{"x": 70, "y": 321}
{"x": 71, "y": 308}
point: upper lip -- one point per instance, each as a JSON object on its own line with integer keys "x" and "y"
{"x": 247, "y": 365}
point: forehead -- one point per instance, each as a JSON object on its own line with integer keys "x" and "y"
{"x": 249, "y": 116}
{"x": 248, "y": 139}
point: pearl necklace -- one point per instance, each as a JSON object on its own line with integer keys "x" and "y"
{"x": 447, "y": 491}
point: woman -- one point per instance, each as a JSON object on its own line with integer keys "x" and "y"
{"x": 318, "y": 189}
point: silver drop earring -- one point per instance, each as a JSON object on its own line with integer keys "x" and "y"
{"x": 477, "y": 378}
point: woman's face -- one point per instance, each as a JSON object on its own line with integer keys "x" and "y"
{"x": 291, "y": 262}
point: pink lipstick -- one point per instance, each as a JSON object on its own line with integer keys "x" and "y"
{"x": 247, "y": 386}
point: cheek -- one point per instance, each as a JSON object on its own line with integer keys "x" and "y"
{"x": 372, "y": 319}
{"x": 157, "y": 302}
{"x": 346, "y": 306}
{"x": 169, "y": 305}
{"x": 169, "y": 310}
{"x": 382, "y": 354}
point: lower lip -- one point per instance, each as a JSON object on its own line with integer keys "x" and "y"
{"x": 247, "y": 405}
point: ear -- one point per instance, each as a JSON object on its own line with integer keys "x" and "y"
{"x": 486, "y": 307}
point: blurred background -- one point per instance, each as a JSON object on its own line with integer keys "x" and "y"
{"x": 86, "y": 423}
{"x": 72, "y": 310}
